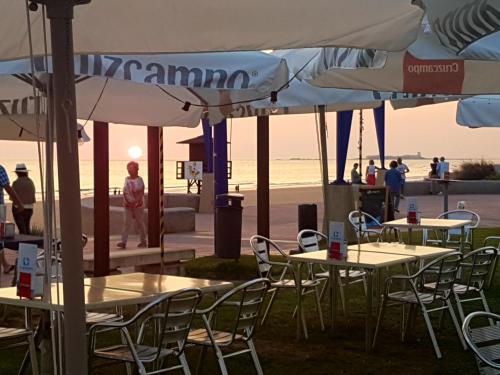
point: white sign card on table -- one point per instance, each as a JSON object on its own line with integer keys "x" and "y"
{"x": 28, "y": 285}
{"x": 193, "y": 170}
{"x": 337, "y": 247}
{"x": 413, "y": 216}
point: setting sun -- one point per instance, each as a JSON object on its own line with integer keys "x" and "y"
{"x": 135, "y": 152}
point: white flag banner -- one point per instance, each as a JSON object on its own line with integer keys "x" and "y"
{"x": 479, "y": 111}
{"x": 158, "y": 26}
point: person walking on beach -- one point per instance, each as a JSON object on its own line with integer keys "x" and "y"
{"x": 371, "y": 170}
{"x": 393, "y": 181}
{"x": 355, "y": 176}
{"x": 5, "y": 184}
{"x": 133, "y": 202}
{"x": 403, "y": 169}
{"x": 25, "y": 190}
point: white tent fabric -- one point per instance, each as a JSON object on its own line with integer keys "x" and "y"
{"x": 152, "y": 89}
{"x": 466, "y": 28}
{"x": 479, "y": 111}
{"x": 158, "y": 26}
{"x": 426, "y": 67}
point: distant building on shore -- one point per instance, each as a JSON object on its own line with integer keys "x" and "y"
{"x": 418, "y": 156}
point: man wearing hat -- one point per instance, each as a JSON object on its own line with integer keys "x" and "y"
{"x": 5, "y": 184}
{"x": 25, "y": 190}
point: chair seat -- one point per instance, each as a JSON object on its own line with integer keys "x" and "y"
{"x": 484, "y": 334}
{"x": 122, "y": 353}
{"x": 95, "y": 317}
{"x": 290, "y": 283}
{"x": 462, "y": 289}
{"x": 408, "y": 296}
{"x": 13, "y": 333}
{"x": 201, "y": 337}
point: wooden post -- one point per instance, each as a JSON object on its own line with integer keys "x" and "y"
{"x": 153, "y": 186}
{"x": 101, "y": 198}
{"x": 263, "y": 226}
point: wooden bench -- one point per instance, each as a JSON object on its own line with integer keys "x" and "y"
{"x": 141, "y": 259}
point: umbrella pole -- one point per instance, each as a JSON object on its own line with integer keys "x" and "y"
{"x": 162, "y": 218}
{"x": 324, "y": 164}
{"x": 360, "y": 149}
{"x": 60, "y": 14}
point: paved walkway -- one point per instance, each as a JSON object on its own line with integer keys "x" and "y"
{"x": 284, "y": 224}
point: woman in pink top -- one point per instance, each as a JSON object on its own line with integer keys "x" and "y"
{"x": 133, "y": 202}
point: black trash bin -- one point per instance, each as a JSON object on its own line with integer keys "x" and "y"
{"x": 228, "y": 221}
{"x": 308, "y": 217}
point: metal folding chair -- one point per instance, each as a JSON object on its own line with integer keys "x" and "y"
{"x": 369, "y": 227}
{"x": 309, "y": 240}
{"x": 484, "y": 341}
{"x": 242, "y": 305}
{"x": 13, "y": 337}
{"x": 475, "y": 270}
{"x": 495, "y": 242}
{"x": 431, "y": 237}
{"x": 432, "y": 284}
{"x": 163, "y": 329}
{"x": 282, "y": 276}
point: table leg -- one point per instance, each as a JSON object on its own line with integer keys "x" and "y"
{"x": 332, "y": 274}
{"x": 462, "y": 239}
{"x": 369, "y": 312}
{"x": 410, "y": 239}
{"x": 298, "y": 283}
{"x": 444, "y": 243}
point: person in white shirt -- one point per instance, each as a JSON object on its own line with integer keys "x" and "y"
{"x": 133, "y": 202}
{"x": 403, "y": 169}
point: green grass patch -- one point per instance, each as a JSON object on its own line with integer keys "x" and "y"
{"x": 334, "y": 351}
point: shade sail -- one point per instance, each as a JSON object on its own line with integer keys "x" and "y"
{"x": 159, "y": 26}
{"x": 425, "y": 67}
{"x": 479, "y": 111}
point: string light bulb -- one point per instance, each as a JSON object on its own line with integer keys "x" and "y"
{"x": 186, "y": 106}
{"x": 274, "y": 99}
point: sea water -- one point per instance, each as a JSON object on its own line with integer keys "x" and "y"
{"x": 283, "y": 173}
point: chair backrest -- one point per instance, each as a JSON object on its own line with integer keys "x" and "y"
{"x": 442, "y": 272}
{"x": 262, "y": 247}
{"x": 365, "y": 221}
{"x": 461, "y": 215}
{"x": 484, "y": 340}
{"x": 243, "y": 303}
{"x": 309, "y": 240}
{"x": 476, "y": 267}
{"x": 170, "y": 320}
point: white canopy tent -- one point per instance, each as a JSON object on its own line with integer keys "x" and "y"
{"x": 157, "y": 26}
{"x": 425, "y": 67}
{"x": 479, "y": 111}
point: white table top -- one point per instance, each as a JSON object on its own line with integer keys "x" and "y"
{"x": 156, "y": 284}
{"x": 428, "y": 224}
{"x": 364, "y": 259}
{"x": 422, "y": 252}
{"x": 99, "y": 295}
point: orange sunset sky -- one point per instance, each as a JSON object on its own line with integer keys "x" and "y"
{"x": 432, "y": 130}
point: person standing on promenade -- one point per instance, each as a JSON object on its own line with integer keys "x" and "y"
{"x": 403, "y": 169}
{"x": 371, "y": 170}
{"x": 5, "y": 184}
{"x": 25, "y": 190}
{"x": 393, "y": 181}
{"x": 433, "y": 173}
{"x": 133, "y": 202}
{"x": 355, "y": 176}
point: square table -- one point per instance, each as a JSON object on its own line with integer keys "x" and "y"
{"x": 421, "y": 252}
{"x": 369, "y": 261}
{"x": 438, "y": 224}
